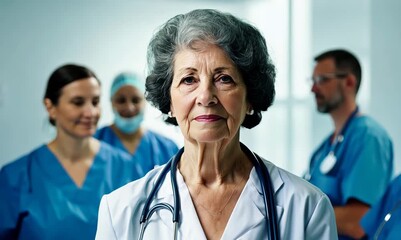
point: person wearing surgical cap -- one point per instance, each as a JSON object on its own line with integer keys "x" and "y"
{"x": 145, "y": 146}
{"x": 54, "y": 191}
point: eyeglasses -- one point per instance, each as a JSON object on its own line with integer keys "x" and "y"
{"x": 323, "y": 78}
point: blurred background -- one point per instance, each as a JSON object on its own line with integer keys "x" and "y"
{"x": 36, "y": 37}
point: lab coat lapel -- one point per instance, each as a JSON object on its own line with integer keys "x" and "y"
{"x": 190, "y": 227}
{"x": 248, "y": 220}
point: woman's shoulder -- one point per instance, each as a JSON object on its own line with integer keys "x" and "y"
{"x": 107, "y": 150}
{"x": 119, "y": 161}
{"x": 133, "y": 193}
{"x": 103, "y": 132}
{"x": 285, "y": 182}
{"x": 24, "y": 159}
{"x": 15, "y": 171}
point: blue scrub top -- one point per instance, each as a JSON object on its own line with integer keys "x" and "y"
{"x": 390, "y": 202}
{"x": 39, "y": 198}
{"x": 364, "y": 164}
{"x": 153, "y": 149}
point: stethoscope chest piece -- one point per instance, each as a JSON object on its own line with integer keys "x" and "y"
{"x": 330, "y": 160}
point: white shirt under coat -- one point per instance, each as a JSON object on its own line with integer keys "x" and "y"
{"x": 304, "y": 212}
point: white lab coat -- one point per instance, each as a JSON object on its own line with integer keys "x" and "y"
{"x": 304, "y": 212}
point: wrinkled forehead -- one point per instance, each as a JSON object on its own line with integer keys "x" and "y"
{"x": 203, "y": 55}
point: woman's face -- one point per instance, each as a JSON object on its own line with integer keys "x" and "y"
{"x": 78, "y": 109}
{"x": 128, "y": 101}
{"x": 208, "y": 94}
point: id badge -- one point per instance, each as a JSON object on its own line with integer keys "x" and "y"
{"x": 328, "y": 163}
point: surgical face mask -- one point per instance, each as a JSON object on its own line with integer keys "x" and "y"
{"x": 128, "y": 125}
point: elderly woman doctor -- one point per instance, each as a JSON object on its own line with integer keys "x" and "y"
{"x": 211, "y": 73}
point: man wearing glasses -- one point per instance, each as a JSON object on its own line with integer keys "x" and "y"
{"x": 354, "y": 164}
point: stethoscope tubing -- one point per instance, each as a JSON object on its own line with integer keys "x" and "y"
{"x": 147, "y": 212}
{"x": 176, "y": 194}
{"x": 386, "y": 218}
{"x": 265, "y": 183}
{"x": 267, "y": 190}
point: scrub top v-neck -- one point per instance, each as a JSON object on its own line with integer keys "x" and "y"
{"x": 40, "y": 192}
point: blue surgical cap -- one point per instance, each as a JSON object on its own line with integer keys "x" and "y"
{"x": 126, "y": 79}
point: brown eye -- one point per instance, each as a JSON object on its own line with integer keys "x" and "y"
{"x": 120, "y": 100}
{"x": 95, "y": 101}
{"x": 136, "y": 100}
{"x": 78, "y": 102}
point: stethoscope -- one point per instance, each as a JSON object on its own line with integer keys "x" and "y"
{"x": 385, "y": 220}
{"x": 330, "y": 160}
{"x": 265, "y": 183}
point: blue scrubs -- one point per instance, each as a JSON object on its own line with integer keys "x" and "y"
{"x": 364, "y": 164}
{"x": 389, "y": 203}
{"x": 39, "y": 200}
{"x": 153, "y": 149}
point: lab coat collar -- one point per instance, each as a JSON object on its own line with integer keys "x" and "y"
{"x": 190, "y": 227}
{"x": 252, "y": 219}
{"x": 275, "y": 176}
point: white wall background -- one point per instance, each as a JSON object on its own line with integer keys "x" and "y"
{"x": 107, "y": 36}
{"x": 385, "y": 40}
{"x": 111, "y": 36}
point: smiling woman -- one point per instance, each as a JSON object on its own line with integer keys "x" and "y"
{"x": 55, "y": 189}
{"x": 77, "y": 111}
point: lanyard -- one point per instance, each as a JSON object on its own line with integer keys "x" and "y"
{"x": 330, "y": 160}
{"x": 340, "y": 137}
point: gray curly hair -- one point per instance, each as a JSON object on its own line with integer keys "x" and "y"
{"x": 242, "y": 42}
